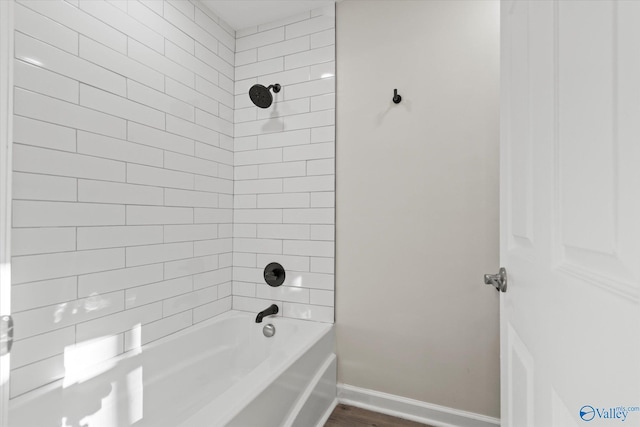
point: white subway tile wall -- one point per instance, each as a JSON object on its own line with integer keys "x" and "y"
{"x": 123, "y": 178}
{"x": 149, "y": 192}
{"x": 284, "y": 166}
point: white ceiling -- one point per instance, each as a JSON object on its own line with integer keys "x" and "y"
{"x": 245, "y": 13}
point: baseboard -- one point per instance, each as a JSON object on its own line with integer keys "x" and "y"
{"x": 410, "y": 409}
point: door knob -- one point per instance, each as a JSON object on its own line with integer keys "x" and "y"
{"x": 498, "y": 280}
{"x": 6, "y": 334}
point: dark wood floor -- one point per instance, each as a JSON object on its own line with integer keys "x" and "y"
{"x": 349, "y": 416}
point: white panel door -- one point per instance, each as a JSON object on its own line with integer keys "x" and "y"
{"x": 6, "y": 101}
{"x": 570, "y": 213}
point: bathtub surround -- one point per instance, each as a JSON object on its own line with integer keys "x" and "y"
{"x": 284, "y": 166}
{"x": 421, "y": 203}
{"x": 123, "y": 182}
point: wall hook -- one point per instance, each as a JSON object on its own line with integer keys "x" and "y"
{"x": 396, "y": 98}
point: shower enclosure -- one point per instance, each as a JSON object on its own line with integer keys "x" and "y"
{"x": 148, "y": 192}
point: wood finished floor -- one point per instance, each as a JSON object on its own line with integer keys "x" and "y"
{"x": 350, "y": 416}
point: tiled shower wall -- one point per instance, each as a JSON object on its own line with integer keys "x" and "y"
{"x": 123, "y": 178}
{"x": 124, "y": 175}
{"x": 284, "y": 166}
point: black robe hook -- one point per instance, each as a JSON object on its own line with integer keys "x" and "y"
{"x": 396, "y": 98}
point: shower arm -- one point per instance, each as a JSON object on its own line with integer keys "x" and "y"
{"x": 276, "y": 87}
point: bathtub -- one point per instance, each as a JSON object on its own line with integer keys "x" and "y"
{"x": 222, "y": 372}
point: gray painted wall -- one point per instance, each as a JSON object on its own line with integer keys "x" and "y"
{"x": 417, "y": 200}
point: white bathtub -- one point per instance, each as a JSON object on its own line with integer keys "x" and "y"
{"x": 223, "y": 372}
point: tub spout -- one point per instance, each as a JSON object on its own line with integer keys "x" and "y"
{"x": 272, "y": 309}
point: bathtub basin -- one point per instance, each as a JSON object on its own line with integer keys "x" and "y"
{"x": 222, "y": 372}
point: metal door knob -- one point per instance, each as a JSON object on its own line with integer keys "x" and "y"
{"x": 499, "y": 281}
{"x": 6, "y": 334}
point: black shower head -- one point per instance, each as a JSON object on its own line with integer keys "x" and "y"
{"x": 261, "y": 96}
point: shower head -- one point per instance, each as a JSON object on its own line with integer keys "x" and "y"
{"x": 261, "y": 96}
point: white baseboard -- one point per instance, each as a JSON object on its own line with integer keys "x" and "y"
{"x": 410, "y": 409}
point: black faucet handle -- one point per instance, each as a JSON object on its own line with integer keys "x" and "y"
{"x": 274, "y": 274}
